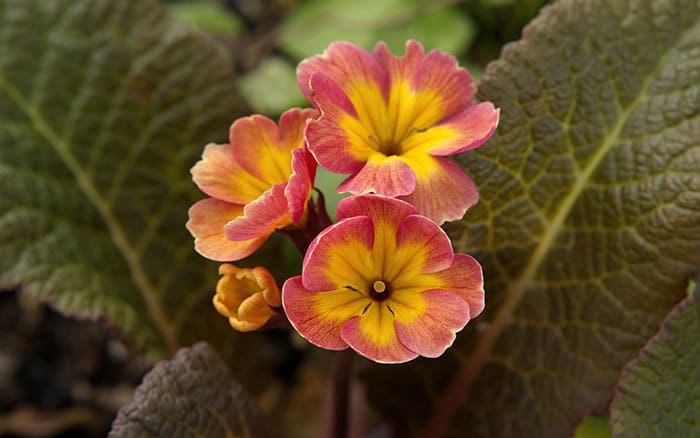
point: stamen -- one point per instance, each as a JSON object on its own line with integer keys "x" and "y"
{"x": 379, "y": 286}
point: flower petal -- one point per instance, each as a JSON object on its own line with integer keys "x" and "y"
{"x": 443, "y": 191}
{"x": 433, "y": 331}
{"x": 256, "y": 147}
{"x": 207, "y": 220}
{"x": 346, "y": 64}
{"x": 465, "y": 278}
{"x": 419, "y": 238}
{"x": 379, "y": 208}
{"x": 319, "y": 316}
{"x": 252, "y": 314}
{"x": 373, "y": 336}
{"x": 261, "y": 217}
{"x": 463, "y": 131}
{"x": 338, "y": 255}
{"x": 218, "y": 175}
{"x": 300, "y": 185}
{"x": 337, "y": 139}
{"x": 388, "y": 176}
{"x": 435, "y": 72}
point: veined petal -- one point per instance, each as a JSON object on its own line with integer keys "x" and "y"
{"x": 319, "y": 315}
{"x": 338, "y": 256}
{"x": 219, "y": 176}
{"x": 379, "y": 208}
{"x": 419, "y": 238}
{"x": 257, "y": 147}
{"x": 432, "y": 331}
{"x": 298, "y": 189}
{"x": 261, "y": 217}
{"x": 461, "y": 132}
{"x": 388, "y": 176}
{"x": 337, "y": 139}
{"x": 347, "y": 65}
{"x": 465, "y": 279}
{"x": 207, "y": 220}
{"x": 443, "y": 191}
{"x": 373, "y": 335}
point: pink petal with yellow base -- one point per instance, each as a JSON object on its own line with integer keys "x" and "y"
{"x": 319, "y": 316}
{"x": 433, "y": 331}
{"x": 207, "y": 220}
{"x": 466, "y": 279}
{"x": 264, "y": 149}
{"x": 340, "y": 61}
{"x": 377, "y": 207}
{"x": 261, "y": 217}
{"x": 331, "y": 259}
{"x": 219, "y": 176}
{"x": 419, "y": 235}
{"x": 373, "y": 336}
{"x": 298, "y": 189}
{"x": 389, "y": 176}
{"x": 443, "y": 191}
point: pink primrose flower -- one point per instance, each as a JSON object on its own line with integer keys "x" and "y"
{"x": 384, "y": 281}
{"x": 260, "y": 182}
{"x": 389, "y": 122}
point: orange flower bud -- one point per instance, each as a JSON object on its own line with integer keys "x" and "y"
{"x": 247, "y": 297}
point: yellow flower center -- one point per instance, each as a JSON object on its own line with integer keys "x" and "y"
{"x": 396, "y": 126}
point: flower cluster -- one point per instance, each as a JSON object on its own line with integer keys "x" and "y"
{"x": 384, "y": 279}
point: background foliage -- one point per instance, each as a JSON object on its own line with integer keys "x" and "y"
{"x": 588, "y": 225}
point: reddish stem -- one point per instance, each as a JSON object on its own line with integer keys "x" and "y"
{"x": 338, "y": 406}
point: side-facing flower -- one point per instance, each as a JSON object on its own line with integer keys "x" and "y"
{"x": 385, "y": 282}
{"x": 247, "y": 297}
{"x": 388, "y": 121}
{"x": 260, "y": 182}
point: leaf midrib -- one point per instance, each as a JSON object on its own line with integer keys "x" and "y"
{"x": 145, "y": 288}
{"x": 457, "y": 391}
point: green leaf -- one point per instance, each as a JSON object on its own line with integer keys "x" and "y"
{"x": 659, "y": 394}
{"x": 588, "y": 226}
{"x": 105, "y": 106}
{"x": 209, "y": 16}
{"x": 311, "y": 27}
{"x": 189, "y": 396}
{"x": 272, "y": 87}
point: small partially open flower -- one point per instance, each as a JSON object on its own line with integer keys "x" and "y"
{"x": 247, "y": 297}
{"x": 384, "y": 281}
{"x": 388, "y": 121}
{"x": 260, "y": 182}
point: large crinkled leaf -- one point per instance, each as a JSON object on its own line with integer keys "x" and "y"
{"x": 588, "y": 225}
{"x": 105, "y": 105}
{"x": 192, "y": 395}
{"x": 659, "y": 394}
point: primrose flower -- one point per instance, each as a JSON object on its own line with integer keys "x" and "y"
{"x": 246, "y": 296}
{"x": 260, "y": 182}
{"x": 388, "y": 121}
{"x": 384, "y": 281}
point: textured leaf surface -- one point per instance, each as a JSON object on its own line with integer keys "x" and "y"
{"x": 105, "y": 106}
{"x": 588, "y": 225}
{"x": 192, "y": 395}
{"x": 659, "y": 394}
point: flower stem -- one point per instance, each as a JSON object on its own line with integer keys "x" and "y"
{"x": 317, "y": 220}
{"x": 338, "y": 397}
